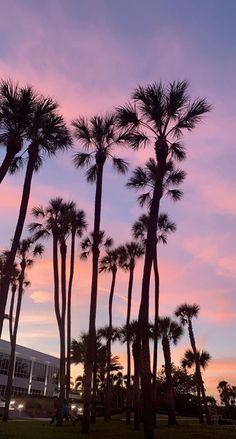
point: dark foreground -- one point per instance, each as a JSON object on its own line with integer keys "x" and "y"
{"x": 186, "y": 428}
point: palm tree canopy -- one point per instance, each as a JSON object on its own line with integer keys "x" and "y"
{"x": 189, "y": 359}
{"x": 110, "y": 261}
{"x": 170, "y": 329}
{"x": 16, "y": 109}
{"x": 163, "y": 113}
{"x": 144, "y": 178}
{"x": 129, "y": 253}
{"x": 164, "y": 227}
{"x": 87, "y": 243}
{"x": 98, "y": 137}
{"x": 186, "y": 312}
{"x": 58, "y": 218}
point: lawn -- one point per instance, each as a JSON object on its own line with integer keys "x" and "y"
{"x": 186, "y": 429}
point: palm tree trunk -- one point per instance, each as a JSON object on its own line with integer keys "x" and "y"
{"x": 63, "y": 250}
{"x": 107, "y": 414}
{"x": 91, "y": 350}
{"x": 94, "y": 392}
{"x": 13, "y": 345}
{"x": 6, "y": 163}
{"x": 72, "y": 263}
{"x": 136, "y": 357}
{"x": 11, "y": 310}
{"x": 155, "y": 339}
{"x": 18, "y": 231}
{"x": 128, "y": 389}
{"x": 168, "y": 371}
{"x": 58, "y": 317}
{"x": 147, "y": 389}
{"x": 200, "y": 385}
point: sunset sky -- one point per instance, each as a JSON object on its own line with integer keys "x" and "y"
{"x": 90, "y": 55}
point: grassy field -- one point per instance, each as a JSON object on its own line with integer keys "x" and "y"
{"x": 186, "y": 429}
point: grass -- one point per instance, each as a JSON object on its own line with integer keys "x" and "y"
{"x": 186, "y": 428}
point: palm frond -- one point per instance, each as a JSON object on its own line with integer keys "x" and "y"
{"x": 120, "y": 165}
{"x": 127, "y": 116}
{"x": 91, "y": 174}
{"x": 174, "y": 194}
{"x": 82, "y": 159}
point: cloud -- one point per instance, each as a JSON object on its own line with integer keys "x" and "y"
{"x": 41, "y": 296}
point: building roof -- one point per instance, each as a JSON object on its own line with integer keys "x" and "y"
{"x": 31, "y": 354}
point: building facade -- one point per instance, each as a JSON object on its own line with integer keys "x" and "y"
{"x": 35, "y": 373}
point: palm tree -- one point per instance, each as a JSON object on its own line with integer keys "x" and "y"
{"x": 77, "y": 226}
{"x": 164, "y": 227}
{"x": 98, "y": 136}
{"x": 46, "y": 134}
{"x": 129, "y": 253}
{"x": 16, "y": 107}
{"x": 56, "y": 222}
{"x": 161, "y": 115}
{"x": 26, "y": 253}
{"x": 109, "y": 264}
{"x": 186, "y": 313}
{"x": 203, "y": 359}
{"x": 169, "y": 331}
{"x": 225, "y": 390}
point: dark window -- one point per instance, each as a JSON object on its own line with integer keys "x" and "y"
{"x": 39, "y": 372}
{"x": 36, "y": 392}
{"x": 52, "y": 377}
{"x": 19, "y": 391}
{"x": 4, "y": 363}
{"x": 22, "y": 368}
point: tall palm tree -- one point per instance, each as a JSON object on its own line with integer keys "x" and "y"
{"x": 158, "y": 114}
{"x": 16, "y": 107}
{"x": 170, "y": 332}
{"x": 109, "y": 264}
{"x": 98, "y": 136}
{"x": 47, "y": 134}
{"x": 164, "y": 228}
{"x": 186, "y": 313}
{"x": 129, "y": 254}
{"x": 26, "y": 253}
{"x": 56, "y": 222}
{"x": 77, "y": 226}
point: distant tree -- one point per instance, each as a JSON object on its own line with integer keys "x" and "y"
{"x": 169, "y": 332}
{"x": 130, "y": 253}
{"x": 186, "y": 313}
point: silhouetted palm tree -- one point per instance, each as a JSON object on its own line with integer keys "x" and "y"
{"x": 169, "y": 332}
{"x": 46, "y": 134}
{"x": 186, "y": 313}
{"x": 56, "y": 222}
{"x": 16, "y": 107}
{"x": 161, "y": 115}
{"x": 26, "y": 254}
{"x": 130, "y": 253}
{"x": 77, "y": 225}
{"x": 109, "y": 264}
{"x": 165, "y": 227}
{"x": 98, "y": 136}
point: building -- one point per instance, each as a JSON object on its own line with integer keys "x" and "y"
{"x": 35, "y": 373}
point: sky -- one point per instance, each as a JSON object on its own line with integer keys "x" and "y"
{"x": 90, "y": 56}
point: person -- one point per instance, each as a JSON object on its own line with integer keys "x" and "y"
{"x": 55, "y": 416}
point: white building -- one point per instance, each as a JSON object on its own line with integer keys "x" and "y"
{"x": 35, "y": 373}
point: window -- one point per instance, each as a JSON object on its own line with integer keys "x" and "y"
{"x": 19, "y": 391}
{"x": 52, "y": 377}
{"x": 2, "y": 389}
{"x": 4, "y": 363}
{"x": 22, "y": 368}
{"x": 36, "y": 392}
{"x": 39, "y": 372}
